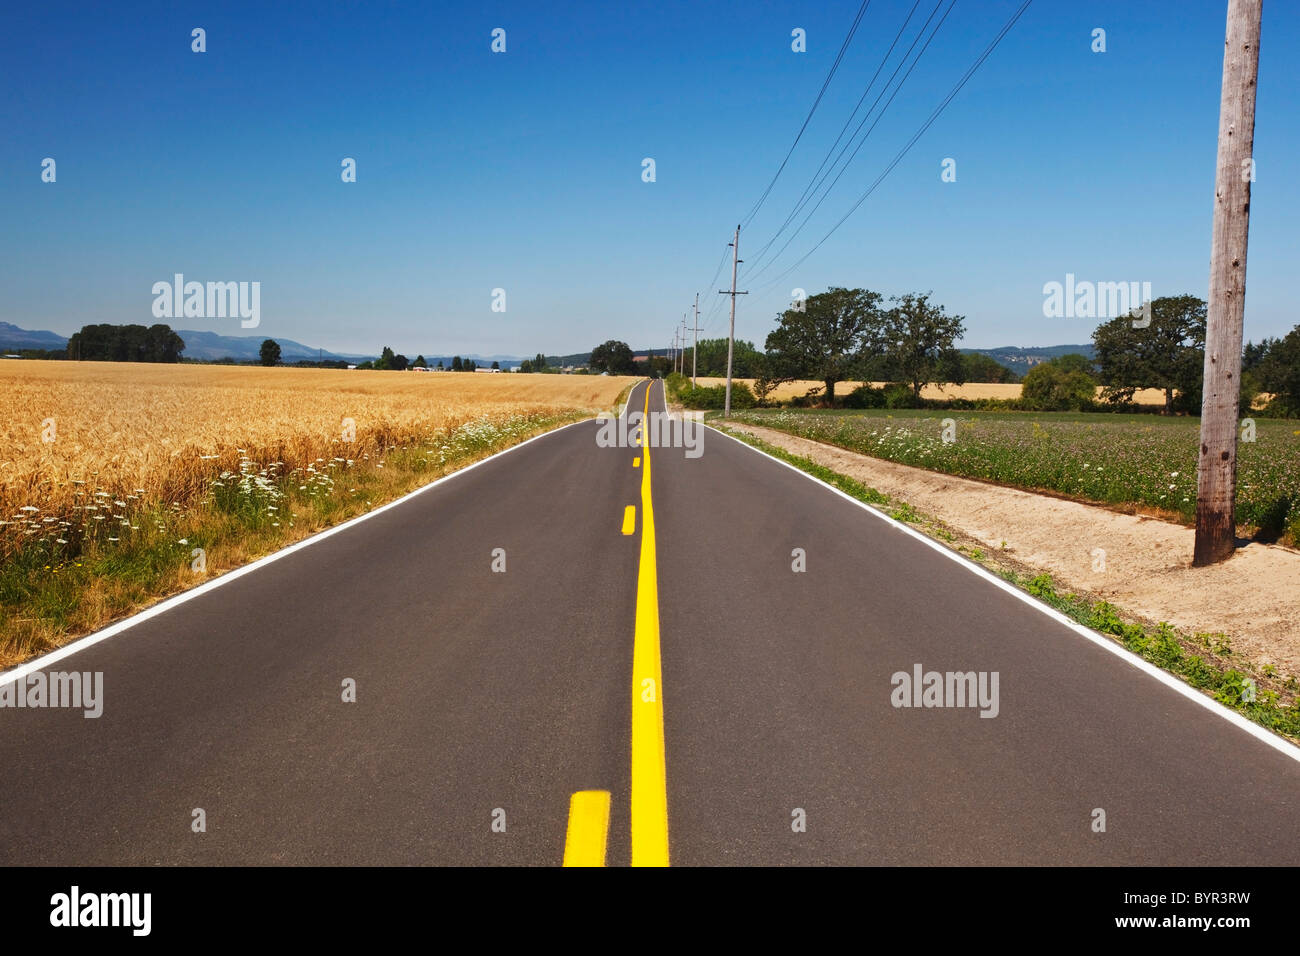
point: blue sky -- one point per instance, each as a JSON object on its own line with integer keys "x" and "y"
{"x": 523, "y": 170}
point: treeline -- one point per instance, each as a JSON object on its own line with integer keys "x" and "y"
{"x": 710, "y": 358}
{"x": 852, "y": 335}
{"x": 396, "y": 362}
{"x": 125, "y": 343}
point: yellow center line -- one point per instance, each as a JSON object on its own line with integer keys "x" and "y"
{"x": 649, "y": 765}
{"x": 584, "y": 843}
{"x": 629, "y": 519}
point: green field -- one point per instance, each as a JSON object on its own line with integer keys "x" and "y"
{"x": 1122, "y": 460}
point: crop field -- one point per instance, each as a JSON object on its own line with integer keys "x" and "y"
{"x": 1121, "y": 460}
{"x": 973, "y": 391}
{"x": 111, "y": 473}
{"x": 162, "y": 433}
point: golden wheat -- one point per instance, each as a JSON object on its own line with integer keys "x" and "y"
{"x": 161, "y": 433}
{"x": 972, "y": 391}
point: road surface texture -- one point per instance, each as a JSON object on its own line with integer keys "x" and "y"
{"x": 756, "y": 702}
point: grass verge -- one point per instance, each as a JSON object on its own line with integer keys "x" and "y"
{"x": 53, "y": 590}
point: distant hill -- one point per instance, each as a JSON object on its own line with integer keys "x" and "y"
{"x": 12, "y": 337}
{"x": 1021, "y": 360}
{"x": 211, "y": 346}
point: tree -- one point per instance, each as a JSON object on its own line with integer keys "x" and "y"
{"x": 456, "y": 366}
{"x": 711, "y": 359}
{"x": 269, "y": 353}
{"x": 126, "y": 343}
{"x": 496, "y": 365}
{"x": 399, "y": 363}
{"x": 827, "y": 341}
{"x": 978, "y": 367}
{"x": 919, "y": 341}
{"x": 1168, "y": 354}
{"x": 439, "y": 363}
{"x": 1060, "y": 384}
{"x": 613, "y": 357}
{"x": 419, "y": 362}
{"x": 539, "y": 362}
{"x": 385, "y": 360}
{"x": 1279, "y": 372}
{"x": 526, "y": 367}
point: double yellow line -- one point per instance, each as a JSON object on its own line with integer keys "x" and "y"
{"x": 649, "y": 764}
{"x": 585, "y": 841}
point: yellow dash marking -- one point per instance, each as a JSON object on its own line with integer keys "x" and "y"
{"x": 629, "y": 519}
{"x": 649, "y": 764}
{"x": 636, "y": 462}
{"x": 584, "y": 843}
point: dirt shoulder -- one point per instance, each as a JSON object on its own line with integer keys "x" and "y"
{"x": 1254, "y": 598}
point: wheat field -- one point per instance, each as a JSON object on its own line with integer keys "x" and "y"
{"x": 972, "y": 391}
{"x": 162, "y": 433}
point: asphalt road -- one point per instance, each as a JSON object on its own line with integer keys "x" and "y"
{"x": 486, "y": 699}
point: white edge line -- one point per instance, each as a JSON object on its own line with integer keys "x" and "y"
{"x": 40, "y": 663}
{"x": 1278, "y": 743}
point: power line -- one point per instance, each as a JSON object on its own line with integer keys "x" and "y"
{"x": 885, "y": 59}
{"x": 871, "y": 129}
{"x": 827, "y": 82}
{"x": 911, "y": 142}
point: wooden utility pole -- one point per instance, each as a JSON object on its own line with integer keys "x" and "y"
{"x": 731, "y": 333}
{"x": 695, "y": 344}
{"x": 1216, "y": 472}
{"x": 682, "y": 370}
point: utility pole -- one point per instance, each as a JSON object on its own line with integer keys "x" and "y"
{"x": 1216, "y": 472}
{"x": 683, "y": 362}
{"x": 695, "y": 345}
{"x": 731, "y": 333}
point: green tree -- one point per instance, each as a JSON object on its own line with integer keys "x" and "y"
{"x": 978, "y": 367}
{"x": 1279, "y": 372}
{"x": 712, "y": 359}
{"x": 269, "y": 353}
{"x": 456, "y": 365}
{"x": 125, "y": 343}
{"x": 918, "y": 342}
{"x": 613, "y": 357}
{"x": 1167, "y": 354}
{"x": 827, "y": 340}
{"x": 419, "y": 362}
{"x": 385, "y": 360}
{"x": 1059, "y": 385}
{"x": 496, "y": 365}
